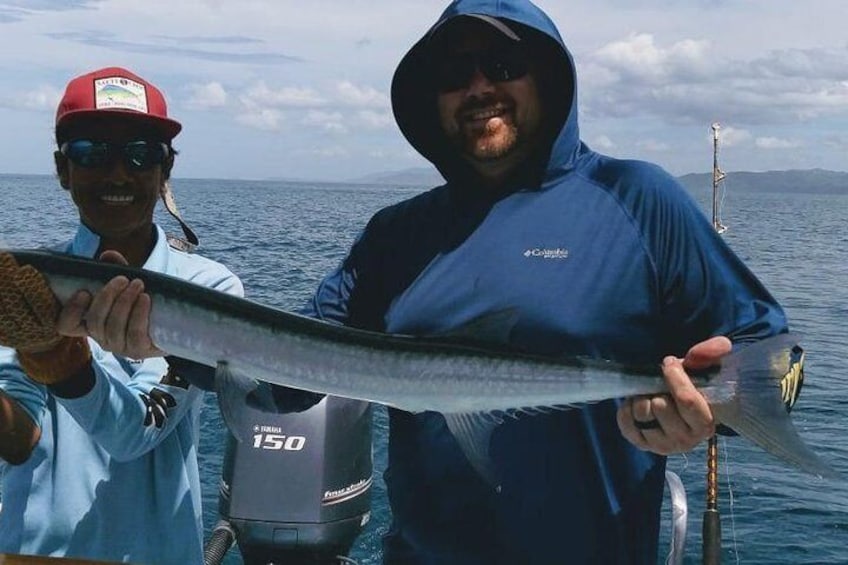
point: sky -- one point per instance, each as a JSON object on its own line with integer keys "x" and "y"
{"x": 300, "y": 89}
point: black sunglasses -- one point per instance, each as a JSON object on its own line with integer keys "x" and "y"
{"x": 453, "y": 71}
{"x": 137, "y": 155}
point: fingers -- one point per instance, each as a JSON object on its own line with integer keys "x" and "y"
{"x": 641, "y": 407}
{"x": 628, "y": 429}
{"x": 108, "y": 317}
{"x": 71, "y": 320}
{"x": 139, "y": 344}
{"x": 653, "y": 423}
{"x": 691, "y": 407}
{"x": 111, "y": 256}
{"x": 683, "y": 416}
{"x": 707, "y": 353}
{"x": 117, "y": 322}
{"x": 101, "y": 306}
{"x": 117, "y": 318}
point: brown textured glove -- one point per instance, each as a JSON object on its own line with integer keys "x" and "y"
{"x": 28, "y": 312}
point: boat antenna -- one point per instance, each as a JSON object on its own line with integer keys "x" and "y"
{"x": 711, "y": 529}
{"x": 718, "y": 176}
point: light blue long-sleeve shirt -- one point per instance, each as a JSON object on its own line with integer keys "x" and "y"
{"x": 115, "y": 474}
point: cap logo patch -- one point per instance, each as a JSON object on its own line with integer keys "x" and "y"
{"x": 119, "y": 93}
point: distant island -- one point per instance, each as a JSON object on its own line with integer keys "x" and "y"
{"x": 416, "y": 176}
{"x": 812, "y": 181}
{"x": 809, "y": 181}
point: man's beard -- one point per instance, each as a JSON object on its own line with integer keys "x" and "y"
{"x": 497, "y": 140}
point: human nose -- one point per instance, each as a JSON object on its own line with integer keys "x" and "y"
{"x": 116, "y": 171}
{"x": 479, "y": 84}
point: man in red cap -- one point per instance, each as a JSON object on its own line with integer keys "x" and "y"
{"x": 102, "y": 449}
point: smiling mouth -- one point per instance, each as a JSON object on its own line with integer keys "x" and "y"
{"x": 481, "y": 116}
{"x": 117, "y": 199}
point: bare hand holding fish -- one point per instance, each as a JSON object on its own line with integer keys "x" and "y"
{"x": 683, "y": 417}
{"x": 117, "y": 317}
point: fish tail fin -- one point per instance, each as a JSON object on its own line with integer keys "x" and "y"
{"x": 752, "y": 394}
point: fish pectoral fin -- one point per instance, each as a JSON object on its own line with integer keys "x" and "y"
{"x": 473, "y": 433}
{"x": 235, "y": 393}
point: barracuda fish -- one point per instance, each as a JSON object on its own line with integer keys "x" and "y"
{"x": 474, "y": 387}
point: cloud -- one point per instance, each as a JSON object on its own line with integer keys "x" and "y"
{"x": 838, "y": 142}
{"x": 205, "y": 96}
{"x": 687, "y": 82}
{"x": 47, "y": 5}
{"x": 343, "y": 107}
{"x": 360, "y": 96}
{"x": 328, "y": 121}
{"x": 603, "y": 143}
{"x": 731, "y": 136}
{"x": 211, "y": 39}
{"x": 776, "y": 143}
{"x": 267, "y": 119}
{"x": 376, "y": 120}
{"x": 325, "y": 152}
{"x": 37, "y": 99}
{"x": 17, "y": 10}
{"x": 652, "y": 146}
{"x": 638, "y": 57}
{"x": 171, "y": 48}
{"x": 285, "y": 97}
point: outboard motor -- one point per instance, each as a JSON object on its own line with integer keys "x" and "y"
{"x": 297, "y": 490}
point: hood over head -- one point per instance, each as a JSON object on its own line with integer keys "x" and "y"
{"x": 414, "y": 92}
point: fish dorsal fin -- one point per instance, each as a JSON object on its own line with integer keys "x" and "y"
{"x": 473, "y": 433}
{"x": 491, "y": 327}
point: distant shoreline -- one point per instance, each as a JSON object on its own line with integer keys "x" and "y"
{"x": 808, "y": 181}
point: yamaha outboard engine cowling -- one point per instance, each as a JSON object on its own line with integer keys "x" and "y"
{"x": 297, "y": 490}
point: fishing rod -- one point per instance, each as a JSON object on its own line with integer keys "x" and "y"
{"x": 711, "y": 530}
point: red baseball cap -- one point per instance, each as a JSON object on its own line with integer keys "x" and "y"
{"x": 114, "y": 89}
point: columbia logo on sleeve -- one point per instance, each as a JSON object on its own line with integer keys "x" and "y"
{"x": 539, "y": 253}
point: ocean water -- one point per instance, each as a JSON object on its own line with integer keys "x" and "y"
{"x": 282, "y": 237}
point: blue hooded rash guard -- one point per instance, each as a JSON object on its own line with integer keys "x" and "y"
{"x": 599, "y": 257}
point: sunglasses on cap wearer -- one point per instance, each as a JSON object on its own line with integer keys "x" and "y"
{"x": 139, "y": 155}
{"x": 453, "y": 71}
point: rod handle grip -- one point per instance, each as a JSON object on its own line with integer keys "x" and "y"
{"x": 711, "y": 540}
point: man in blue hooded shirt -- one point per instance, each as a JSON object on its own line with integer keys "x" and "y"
{"x": 597, "y": 256}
